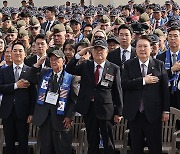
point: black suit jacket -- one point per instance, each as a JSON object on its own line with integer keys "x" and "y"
{"x": 22, "y": 99}
{"x": 115, "y": 56}
{"x": 154, "y": 96}
{"x": 43, "y": 26}
{"x": 107, "y": 99}
{"x": 42, "y": 111}
{"x": 30, "y": 61}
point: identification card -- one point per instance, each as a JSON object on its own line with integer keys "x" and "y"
{"x": 109, "y": 77}
{"x": 51, "y": 98}
{"x": 104, "y": 83}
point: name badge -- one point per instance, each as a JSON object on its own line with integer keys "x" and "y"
{"x": 109, "y": 77}
{"x": 104, "y": 83}
{"x": 51, "y": 98}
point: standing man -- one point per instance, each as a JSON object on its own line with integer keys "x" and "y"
{"x": 18, "y": 101}
{"x": 41, "y": 46}
{"x": 125, "y": 51}
{"x": 100, "y": 95}
{"x": 54, "y": 109}
{"x": 171, "y": 59}
{"x": 146, "y": 101}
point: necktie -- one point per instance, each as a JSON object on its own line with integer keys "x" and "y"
{"x": 96, "y": 75}
{"x": 157, "y": 24}
{"x": 123, "y": 56}
{"x": 17, "y": 73}
{"x": 174, "y": 58}
{"x": 48, "y": 26}
{"x": 54, "y": 83}
{"x": 141, "y": 107}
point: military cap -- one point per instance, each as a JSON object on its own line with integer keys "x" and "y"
{"x": 68, "y": 29}
{"x": 61, "y": 15}
{"x": 34, "y": 22}
{"x": 104, "y": 19}
{"x": 84, "y": 40}
{"x": 100, "y": 5}
{"x": 157, "y": 9}
{"x": 118, "y": 21}
{"x": 114, "y": 12}
{"x": 88, "y": 14}
{"x": 175, "y": 7}
{"x": 58, "y": 28}
{"x": 158, "y": 32}
{"x": 22, "y": 32}
{"x": 131, "y": 1}
{"x": 20, "y": 23}
{"x": 12, "y": 30}
{"x": 154, "y": 38}
{"x": 58, "y": 53}
{"x": 168, "y": 2}
{"x": 113, "y": 38}
{"x": 5, "y": 18}
{"x": 14, "y": 11}
{"x": 163, "y": 9}
{"x": 76, "y": 18}
{"x": 40, "y": 15}
{"x": 5, "y": 1}
{"x": 100, "y": 12}
{"x": 100, "y": 43}
{"x": 144, "y": 17}
{"x": 139, "y": 28}
{"x": 23, "y": 1}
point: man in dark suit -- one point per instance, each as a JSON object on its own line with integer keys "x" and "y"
{"x": 171, "y": 59}
{"x": 100, "y": 95}
{"x": 146, "y": 101}
{"x": 54, "y": 109}
{"x": 41, "y": 46}
{"x": 18, "y": 101}
{"x": 51, "y": 19}
{"x": 125, "y": 51}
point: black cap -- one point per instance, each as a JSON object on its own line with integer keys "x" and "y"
{"x": 57, "y": 53}
{"x": 154, "y": 38}
{"x": 100, "y": 43}
{"x": 113, "y": 38}
{"x": 157, "y": 9}
{"x": 139, "y": 28}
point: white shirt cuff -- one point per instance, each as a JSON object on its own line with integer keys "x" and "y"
{"x": 144, "y": 83}
{"x": 77, "y": 56}
{"x": 15, "y": 86}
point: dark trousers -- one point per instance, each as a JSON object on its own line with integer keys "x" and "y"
{"x": 52, "y": 141}
{"x": 140, "y": 129}
{"x": 15, "y": 130}
{"x": 94, "y": 128}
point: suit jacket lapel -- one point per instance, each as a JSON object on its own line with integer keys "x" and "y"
{"x": 91, "y": 72}
{"x": 133, "y": 53}
{"x": 136, "y": 68}
{"x": 11, "y": 73}
{"x": 22, "y": 75}
{"x": 106, "y": 68}
{"x": 150, "y": 66}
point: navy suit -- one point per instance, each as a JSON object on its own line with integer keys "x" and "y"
{"x": 15, "y": 108}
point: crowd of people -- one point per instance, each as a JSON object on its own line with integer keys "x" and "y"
{"x": 103, "y": 62}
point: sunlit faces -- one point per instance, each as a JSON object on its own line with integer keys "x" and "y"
{"x": 87, "y": 31}
{"x": 104, "y": 26}
{"x": 59, "y": 38}
{"x": 143, "y": 49}
{"x": 11, "y": 37}
{"x": 125, "y": 38}
{"x": 56, "y": 63}
{"x": 69, "y": 52}
{"x": 41, "y": 46}
{"x": 99, "y": 54}
{"x": 7, "y": 55}
{"x": 2, "y": 45}
{"x": 174, "y": 39}
{"x": 18, "y": 54}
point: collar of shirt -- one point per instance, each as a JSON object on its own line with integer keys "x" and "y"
{"x": 146, "y": 63}
{"x": 128, "y": 49}
{"x": 21, "y": 65}
{"x": 58, "y": 74}
{"x": 102, "y": 65}
{"x": 177, "y": 52}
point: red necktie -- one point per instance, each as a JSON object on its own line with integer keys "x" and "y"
{"x": 96, "y": 75}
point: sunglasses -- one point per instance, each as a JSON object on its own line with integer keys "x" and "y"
{"x": 35, "y": 28}
{"x": 98, "y": 37}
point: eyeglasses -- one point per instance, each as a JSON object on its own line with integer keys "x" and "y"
{"x": 99, "y": 37}
{"x": 35, "y": 28}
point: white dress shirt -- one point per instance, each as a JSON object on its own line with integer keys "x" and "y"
{"x": 19, "y": 71}
{"x": 145, "y": 68}
{"x": 128, "y": 53}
